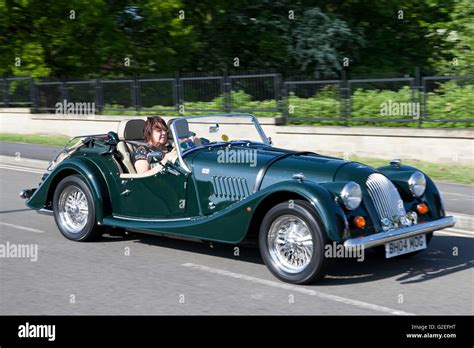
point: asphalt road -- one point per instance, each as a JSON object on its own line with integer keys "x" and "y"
{"x": 158, "y": 275}
{"x": 40, "y": 152}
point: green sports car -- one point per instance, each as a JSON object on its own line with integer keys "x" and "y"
{"x": 229, "y": 184}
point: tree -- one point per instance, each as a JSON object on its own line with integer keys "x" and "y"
{"x": 316, "y": 43}
{"x": 397, "y": 34}
{"x": 83, "y": 38}
{"x": 280, "y": 35}
{"x": 458, "y": 41}
{"x": 88, "y": 37}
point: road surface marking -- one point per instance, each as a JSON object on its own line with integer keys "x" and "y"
{"x": 22, "y": 169}
{"x": 457, "y": 194}
{"x": 456, "y": 232}
{"x": 300, "y": 289}
{"x": 460, "y": 230}
{"x": 29, "y": 229}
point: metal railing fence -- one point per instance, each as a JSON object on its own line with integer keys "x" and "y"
{"x": 417, "y": 100}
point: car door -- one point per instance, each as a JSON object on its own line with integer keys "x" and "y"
{"x": 164, "y": 195}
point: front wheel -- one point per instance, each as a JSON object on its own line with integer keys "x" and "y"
{"x": 292, "y": 241}
{"x": 74, "y": 209}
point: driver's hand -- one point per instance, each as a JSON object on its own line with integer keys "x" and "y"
{"x": 171, "y": 156}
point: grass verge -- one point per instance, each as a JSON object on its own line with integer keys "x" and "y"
{"x": 449, "y": 172}
{"x": 52, "y": 140}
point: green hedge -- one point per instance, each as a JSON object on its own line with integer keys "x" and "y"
{"x": 450, "y": 101}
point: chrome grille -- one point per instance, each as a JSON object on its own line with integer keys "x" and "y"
{"x": 387, "y": 201}
{"x": 230, "y": 187}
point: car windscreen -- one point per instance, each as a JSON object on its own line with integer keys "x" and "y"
{"x": 204, "y": 131}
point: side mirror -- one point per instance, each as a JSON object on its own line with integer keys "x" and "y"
{"x": 155, "y": 157}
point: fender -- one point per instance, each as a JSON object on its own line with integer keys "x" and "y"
{"x": 330, "y": 213}
{"x": 431, "y": 196}
{"x": 74, "y": 165}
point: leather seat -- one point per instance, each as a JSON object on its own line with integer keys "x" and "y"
{"x": 129, "y": 130}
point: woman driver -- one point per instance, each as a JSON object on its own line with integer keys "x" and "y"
{"x": 156, "y": 136}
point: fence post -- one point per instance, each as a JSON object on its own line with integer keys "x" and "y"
{"x": 175, "y": 92}
{"x": 5, "y": 92}
{"x": 63, "y": 89}
{"x": 285, "y": 98}
{"x": 99, "y": 96}
{"x": 423, "y": 100}
{"x": 227, "y": 93}
{"x": 277, "y": 88}
{"x": 345, "y": 97}
{"x": 34, "y": 95}
{"x": 136, "y": 94}
{"x": 421, "y": 93}
{"x": 179, "y": 92}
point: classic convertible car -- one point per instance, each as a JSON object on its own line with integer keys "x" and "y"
{"x": 229, "y": 184}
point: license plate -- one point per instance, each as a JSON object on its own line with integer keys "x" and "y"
{"x": 405, "y": 246}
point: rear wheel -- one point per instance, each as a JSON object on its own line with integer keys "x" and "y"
{"x": 74, "y": 209}
{"x": 291, "y": 242}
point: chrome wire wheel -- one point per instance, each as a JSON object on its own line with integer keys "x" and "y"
{"x": 290, "y": 243}
{"x": 73, "y": 209}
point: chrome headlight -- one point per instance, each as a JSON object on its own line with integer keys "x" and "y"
{"x": 351, "y": 195}
{"x": 417, "y": 184}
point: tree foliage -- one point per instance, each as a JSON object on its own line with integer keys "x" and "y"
{"x": 81, "y": 38}
{"x": 457, "y": 45}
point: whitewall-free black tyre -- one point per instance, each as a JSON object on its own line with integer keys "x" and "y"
{"x": 292, "y": 242}
{"x": 74, "y": 209}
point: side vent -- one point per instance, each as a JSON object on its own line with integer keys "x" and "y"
{"x": 231, "y": 188}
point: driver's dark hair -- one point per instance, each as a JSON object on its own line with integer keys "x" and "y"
{"x": 150, "y": 123}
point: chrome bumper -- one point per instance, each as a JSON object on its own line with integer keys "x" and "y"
{"x": 26, "y": 193}
{"x": 399, "y": 233}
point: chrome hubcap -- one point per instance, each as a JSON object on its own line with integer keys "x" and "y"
{"x": 290, "y": 243}
{"x": 73, "y": 209}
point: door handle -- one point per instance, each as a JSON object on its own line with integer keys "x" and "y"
{"x": 125, "y": 193}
